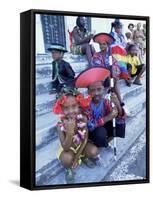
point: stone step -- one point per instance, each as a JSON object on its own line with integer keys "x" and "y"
{"x": 53, "y": 173}
{"x": 44, "y": 65}
{"x": 44, "y": 102}
{"x": 46, "y": 124}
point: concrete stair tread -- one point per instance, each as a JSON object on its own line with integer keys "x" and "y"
{"x": 47, "y": 97}
{"x": 46, "y": 120}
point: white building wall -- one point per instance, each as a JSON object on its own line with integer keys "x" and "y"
{"x": 39, "y": 36}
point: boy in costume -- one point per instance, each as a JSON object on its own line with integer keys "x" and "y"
{"x": 62, "y": 73}
{"x": 99, "y": 112}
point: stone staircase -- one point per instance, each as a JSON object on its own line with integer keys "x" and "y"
{"x": 48, "y": 169}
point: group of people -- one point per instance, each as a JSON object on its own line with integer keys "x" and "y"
{"x": 86, "y": 122}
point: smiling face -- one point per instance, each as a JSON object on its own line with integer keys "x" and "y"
{"x": 118, "y": 29}
{"x": 70, "y": 107}
{"x": 103, "y": 46}
{"x": 96, "y": 91}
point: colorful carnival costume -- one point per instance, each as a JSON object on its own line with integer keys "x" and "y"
{"x": 79, "y": 132}
{"x": 62, "y": 72}
{"x": 117, "y": 52}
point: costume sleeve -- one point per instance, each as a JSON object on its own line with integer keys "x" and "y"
{"x": 107, "y": 106}
{"x": 69, "y": 70}
{"x": 96, "y": 60}
{"x": 121, "y": 119}
{"x": 53, "y": 70}
{"x": 92, "y": 123}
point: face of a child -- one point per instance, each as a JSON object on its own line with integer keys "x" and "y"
{"x": 118, "y": 29}
{"x": 134, "y": 51}
{"x": 96, "y": 91}
{"x": 56, "y": 55}
{"x": 70, "y": 107}
{"x": 103, "y": 46}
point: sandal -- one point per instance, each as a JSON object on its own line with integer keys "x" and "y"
{"x": 128, "y": 83}
{"x": 69, "y": 176}
{"x": 88, "y": 162}
{"x": 98, "y": 161}
{"x": 137, "y": 82}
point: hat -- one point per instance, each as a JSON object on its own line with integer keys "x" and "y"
{"x": 58, "y": 47}
{"x": 116, "y": 23}
{"x": 91, "y": 75}
{"x": 103, "y": 37}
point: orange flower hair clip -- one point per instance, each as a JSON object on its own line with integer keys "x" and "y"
{"x": 82, "y": 101}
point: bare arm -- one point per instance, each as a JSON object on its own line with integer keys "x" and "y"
{"x": 83, "y": 144}
{"x": 115, "y": 100}
{"x": 78, "y": 40}
{"x": 67, "y": 136}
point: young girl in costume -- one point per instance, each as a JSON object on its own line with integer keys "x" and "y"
{"x": 73, "y": 133}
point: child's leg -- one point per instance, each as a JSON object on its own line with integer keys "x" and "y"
{"x": 99, "y": 137}
{"x": 86, "y": 49}
{"x": 140, "y": 71}
{"x": 129, "y": 68}
{"x": 91, "y": 155}
{"x": 117, "y": 90}
{"x": 90, "y": 150}
{"x": 67, "y": 158}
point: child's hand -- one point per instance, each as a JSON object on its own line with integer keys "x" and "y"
{"x": 114, "y": 99}
{"x": 114, "y": 112}
{"x": 70, "y": 125}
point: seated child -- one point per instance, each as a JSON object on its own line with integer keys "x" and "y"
{"x": 100, "y": 113}
{"x": 135, "y": 67}
{"x": 73, "y": 133}
{"x": 62, "y": 72}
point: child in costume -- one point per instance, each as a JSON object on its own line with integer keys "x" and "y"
{"x": 99, "y": 112}
{"x": 102, "y": 58}
{"x": 73, "y": 132}
{"x": 117, "y": 33}
{"x": 135, "y": 67}
{"x": 62, "y": 72}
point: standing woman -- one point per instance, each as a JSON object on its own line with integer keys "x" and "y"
{"x": 138, "y": 35}
{"x": 81, "y": 39}
{"x": 139, "y": 40}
